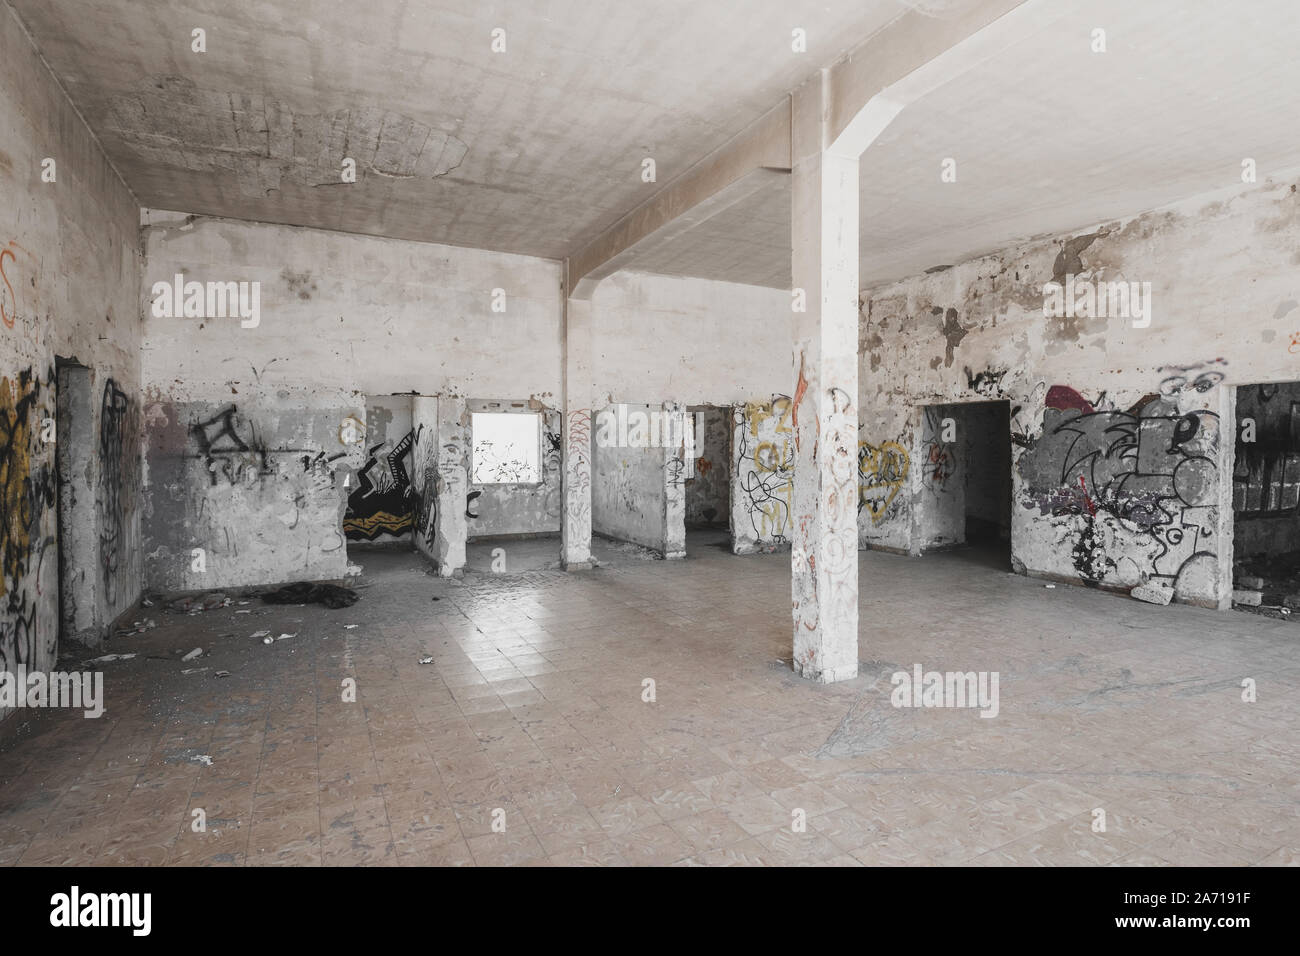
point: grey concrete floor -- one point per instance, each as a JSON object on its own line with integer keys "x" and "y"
{"x": 531, "y": 713}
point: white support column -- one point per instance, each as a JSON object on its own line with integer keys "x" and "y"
{"x": 575, "y": 522}
{"x": 824, "y": 553}
{"x": 678, "y": 463}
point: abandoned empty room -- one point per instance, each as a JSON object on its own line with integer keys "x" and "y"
{"x": 558, "y": 433}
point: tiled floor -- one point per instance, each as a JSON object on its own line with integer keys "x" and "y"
{"x": 527, "y": 740}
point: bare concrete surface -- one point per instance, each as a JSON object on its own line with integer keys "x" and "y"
{"x": 532, "y": 705}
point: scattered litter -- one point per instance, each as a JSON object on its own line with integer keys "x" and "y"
{"x": 243, "y": 612}
{"x": 331, "y": 595}
{"x": 203, "y": 759}
{"x": 617, "y": 789}
{"x": 146, "y": 603}
{"x": 109, "y": 658}
{"x": 138, "y": 627}
{"x": 1250, "y": 598}
{"x": 268, "y": 639}
{"x": 426, "y": 660}
{"x": 1049, "y": 586}
{"x": 437, "y": 599}
{"x": 348, "y": 627}
{"x": 221, "y": 674}
{"x": 241, "y": 604}
{"x": 196, "y": 653}
{"x": 353, "y": 570}
{"x": 197, "y": 603}
{"x": 285, "y": 637}
{"x": 194, "y": 670}
{"x": 260, "y": 633}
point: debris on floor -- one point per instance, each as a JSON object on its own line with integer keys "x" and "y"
{"x": 197, "y": 603}
{"x": 426, "y": 660}
{"x": 1153, "y": 593}
{"x": 137, "y": 627}
{"x": 109, "y": 658}
{"x": 304, "y": 592}
{"x": 1267, "y": 584}
{"x": 196, "y": 653}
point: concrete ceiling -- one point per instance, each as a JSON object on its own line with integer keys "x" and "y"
{"x": 1048, "y": 139}
{"x": 533, "y": 150}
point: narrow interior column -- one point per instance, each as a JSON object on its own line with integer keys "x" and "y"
{"x": 824, "y": 539}
{"x": 575, "y": 523}
{"x": 679, "y": 453}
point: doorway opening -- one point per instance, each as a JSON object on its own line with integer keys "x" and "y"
{"x": 965, "y": 502}
{"x": 708, "y": 482}
{"x": 1266, "y": 499}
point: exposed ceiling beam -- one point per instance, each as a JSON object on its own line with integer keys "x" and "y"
{"x": 725, "y": 176}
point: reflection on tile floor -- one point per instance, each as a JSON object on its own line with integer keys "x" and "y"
{"x": 527, "y": 741}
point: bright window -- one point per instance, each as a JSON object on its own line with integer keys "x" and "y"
{"x": 507, "y": 448}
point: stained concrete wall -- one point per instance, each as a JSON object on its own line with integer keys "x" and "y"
{"x": 69, "y": 279}
{"x": 638, "y": 491}
{"x": 1120, "y": 473}
{"x": 708, "y": 489}
{"x": 342, "y": 317}
{"x": 250, "y": 492}
{"x": 762, "y": 475}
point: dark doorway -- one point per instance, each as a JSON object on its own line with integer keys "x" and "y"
{"x": 965, "y": 501}
{"x": 1266, "y": 499}
{"x": 708, "y": 481}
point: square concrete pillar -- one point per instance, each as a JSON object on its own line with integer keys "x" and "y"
{"x": 575, "y": 519}
{"x": 678, "y": 463}
{"x": 824, "y": 538}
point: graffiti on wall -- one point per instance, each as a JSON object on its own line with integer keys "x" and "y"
{"x": 577, "y": 494}
{"x": 1141, "y": 480}
{"x": 882, "y": 471}
{"x": 115, "y": 458}
{"x": 938, "y": 457}
{"x": 382, "y": 502}
{"x": 764, "y": 468}
{"x": 28, "y": 556}
{"x": 227, "y": 455}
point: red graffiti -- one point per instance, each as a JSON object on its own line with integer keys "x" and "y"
{"x": 1063, "y": 398}
{"x": 1087, "y": 499}
{"x": 800, "y": 389}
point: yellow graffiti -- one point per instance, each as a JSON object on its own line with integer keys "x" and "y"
{"x": 881, "y": 473}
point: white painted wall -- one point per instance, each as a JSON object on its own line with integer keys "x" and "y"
{"x": 693, "y": 341}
